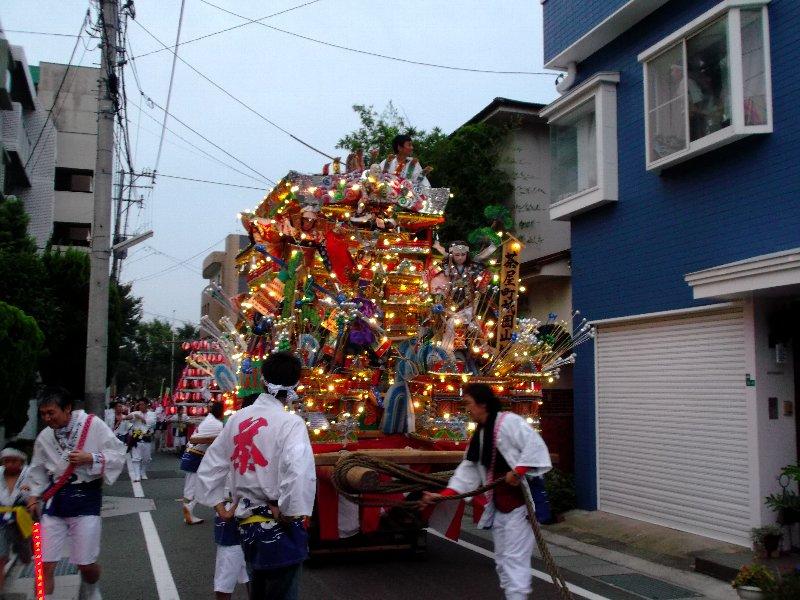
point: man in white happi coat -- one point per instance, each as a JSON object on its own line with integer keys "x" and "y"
{"x": 503, "y": 445}
{"x": 141, "y": 444}
{"x": 15, "y": 523}
{"x": 273, "y": 481}
{"x": 72, "y": 457}
{"x": 402, "y": 163}
{"x": 204, "y": 435}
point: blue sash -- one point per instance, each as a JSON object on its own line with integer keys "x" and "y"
{"x": 272, "y": 545}
{"x": 190, "y": 462}
{"x": 76, "y": 500}
{"x": 226, "y": 533}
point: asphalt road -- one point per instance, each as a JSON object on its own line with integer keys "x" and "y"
{"x": 446, "y": 571}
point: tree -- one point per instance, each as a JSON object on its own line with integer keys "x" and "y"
{"x": 468, "y": 161}
{"x": 21, "y": 343}
{"x": 378, "y": 129}
{"x": 53, "y": 288}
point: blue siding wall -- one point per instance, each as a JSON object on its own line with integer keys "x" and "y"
{"x": 733, "y": 203}
{"x": 565, "y": 21}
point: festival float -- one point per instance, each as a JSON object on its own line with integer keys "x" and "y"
{"x": 345, "y": 269}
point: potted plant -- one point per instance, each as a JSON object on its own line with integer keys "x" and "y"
{"x": 787, "y": 503}
{"x": 752, "y": 581}
{"x": 767, "y": 539}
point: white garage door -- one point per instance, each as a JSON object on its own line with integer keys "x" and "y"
{"x": 671, "y": 422}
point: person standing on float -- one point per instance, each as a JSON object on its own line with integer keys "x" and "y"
{"x": 503, "y": 445}
{"x": 206, "y": 433}
{"x": 273, "y": 481}
{"x": 72, "y": 457}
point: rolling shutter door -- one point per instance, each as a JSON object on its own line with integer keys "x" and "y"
{"x": 671, "y": 422}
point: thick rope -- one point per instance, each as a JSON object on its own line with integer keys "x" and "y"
{"x": 406, "y": 481}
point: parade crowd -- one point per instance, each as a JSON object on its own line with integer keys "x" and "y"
{"x": 256, "y": 471}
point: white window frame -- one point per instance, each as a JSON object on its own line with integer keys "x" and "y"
{"x": 737, "y": 129}
{"x": 602, "y": 90}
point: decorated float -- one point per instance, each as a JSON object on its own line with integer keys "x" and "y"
{"x": 346, "y": 270}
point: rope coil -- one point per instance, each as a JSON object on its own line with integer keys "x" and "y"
{"x": 406, "y": 481}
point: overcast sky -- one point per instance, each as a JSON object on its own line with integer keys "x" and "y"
{"x": 304, "y": 87}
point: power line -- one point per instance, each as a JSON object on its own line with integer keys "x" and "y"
{"x": 40, "y": 33}
{"x": 169, "y": 91}
{"x": 198, "y": 148}
{"x": 375, "y": 54}
{"x": 197, "y": 133}
{"x": 58, "y": 91}
{"x": 173, "y": 267}
{"x": 213, "y": 33}
{"x": 234, "y": 185}
{"x": 234, "y": 98}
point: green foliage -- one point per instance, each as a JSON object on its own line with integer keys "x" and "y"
{"x": 757, "y": 534}
{"x": 14, "y": 226}
{"x": 467, "y": 161}
{"x": 378, "y": 129}
{"x": 53, "y": 289}
{"x": 560, "y": 488}
{"x": 787, "y": 502}
{"x": 21, "y": 343}
{"x": 787, "y": 588}
{"x": 145, "y": 359}
{"x": 755, "y": 575}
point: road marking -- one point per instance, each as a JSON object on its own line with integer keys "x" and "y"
{"x": 165, "y": 584}
{"x": 589, "y": 595}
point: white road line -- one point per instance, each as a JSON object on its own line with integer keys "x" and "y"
{"x": 535, "y": 572}
{"x": 165, "y": 584}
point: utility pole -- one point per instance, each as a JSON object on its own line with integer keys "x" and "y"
{"x": 100, "y": 252}
{"x": 118, "y": 233}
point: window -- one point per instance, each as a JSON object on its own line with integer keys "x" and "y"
{"x": 583, "y": 147}
{"x": 574, "y": 155}
{"x": 74, "y": 180}
{"x": 708, "y": 84}
{"x": 71, "y": 234}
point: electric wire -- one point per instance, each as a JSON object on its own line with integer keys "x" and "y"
{"x": 233, "y": 185}
{"x": 204, "y": 138}
{"x": 169, "y": 91}
{"x": 198, "y": 148}
{"x": 40, "y": 33}
{"x": 175, "y": 266}
{"x": 236, "y": 99}
{"x": 213, "y": 33}
{"x": 58, "y": 91}
{"x": 375, "y": 54}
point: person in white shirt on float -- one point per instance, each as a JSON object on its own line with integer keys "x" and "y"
{"x": 204, "y": 435}
{"x": 273, "y": 481}
{"x": 141, "y": 443}
{"x": 72, "y": 457}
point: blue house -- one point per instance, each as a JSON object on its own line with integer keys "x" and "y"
{"x": 674, "y": 149}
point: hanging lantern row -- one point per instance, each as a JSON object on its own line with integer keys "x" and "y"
{"x": 199, "y": 345}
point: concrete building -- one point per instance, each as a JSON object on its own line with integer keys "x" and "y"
{"x": 545, "y": 270}
{"x": 220, "y": 267}
{"x": 27, "y": 143}
{"x": 674, "y": 145}
{"x": 75, "y": 118}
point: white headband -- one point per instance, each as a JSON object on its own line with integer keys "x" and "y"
{"x": 459, "y": 248}
{"x": 274, "y": 388}
{"x": 12, "y": 453}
